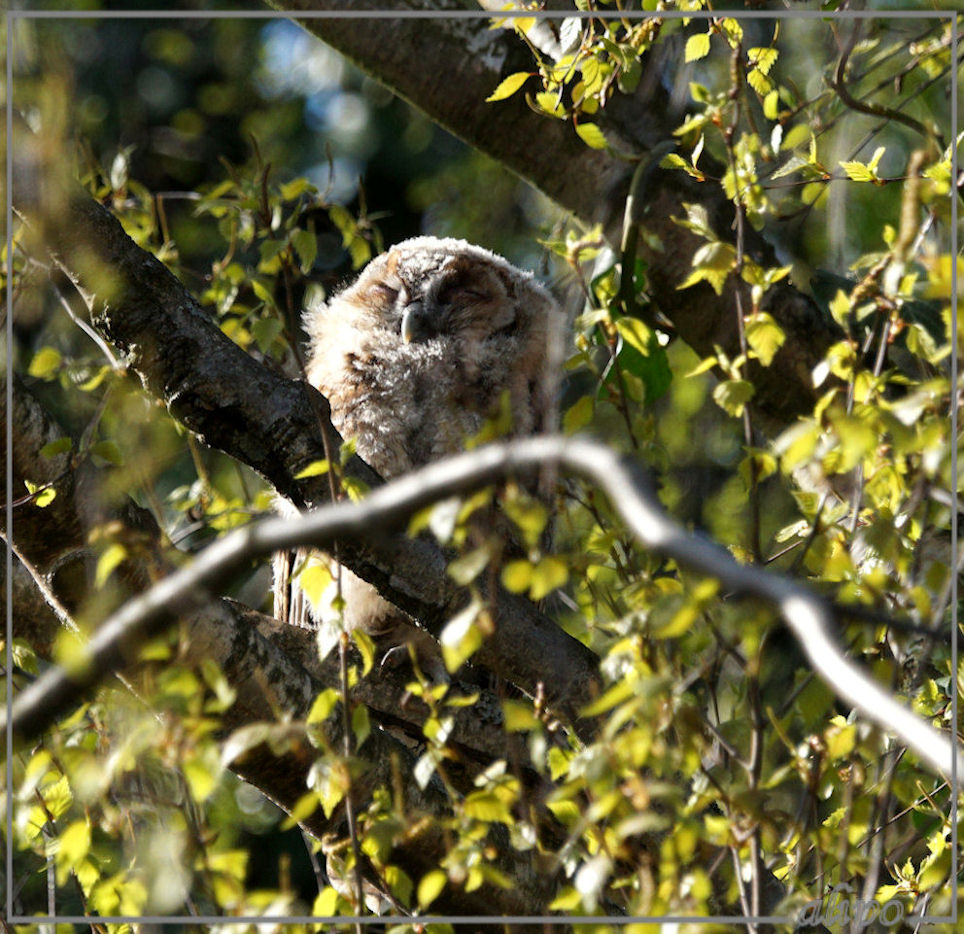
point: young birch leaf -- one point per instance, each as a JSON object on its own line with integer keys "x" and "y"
{"x": 508, "y": 86}
{"x": 591, "y": 135}
{"x": 44, "y": 495}
{"x": 107, "y": 562}
{"x": 764, "y": 336}
{"x": 60, "y": 446}
{"x": 45, "y": 363}
{"x": 431, "y": 887}
{"x": 697, "y": 47}
{"x": 109, "y": 451}
{"x": 732, "y": 395}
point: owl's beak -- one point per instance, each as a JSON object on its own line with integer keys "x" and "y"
{"x": 417, "y": 323}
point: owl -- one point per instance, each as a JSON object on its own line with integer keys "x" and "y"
{"x": 435, "y": 337}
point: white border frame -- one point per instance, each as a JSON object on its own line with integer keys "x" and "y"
{"x": 11, "y": 18}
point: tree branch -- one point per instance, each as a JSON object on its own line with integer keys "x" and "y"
{"x": 623, "y": 481}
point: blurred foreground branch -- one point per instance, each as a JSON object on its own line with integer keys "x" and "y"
{"x": 624, "y": 482}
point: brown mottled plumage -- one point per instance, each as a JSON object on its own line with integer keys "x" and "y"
{"x": 414, "y": 357}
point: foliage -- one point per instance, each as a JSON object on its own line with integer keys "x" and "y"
{"x": 715, "y": 744}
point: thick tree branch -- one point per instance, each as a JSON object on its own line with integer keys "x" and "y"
{"x": 461, "y": 61}
{"x": 807, "y": 616}
{"x": 270, "y": 423}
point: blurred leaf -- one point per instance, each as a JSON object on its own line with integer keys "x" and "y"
{"x": 430, "y": 887}
{"x": 53, "y": 448}
{"x": 108, "y": 562}
{"x": 732, "y": 395}
{"x": 109, "y": 451}
{"x": 45, "y": 363}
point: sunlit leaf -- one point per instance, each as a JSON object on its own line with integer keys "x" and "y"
{"x": 591, "y": 135}
{"x": 697, "y": 47}
{"x": 107, "y": 563}
{"x": 45, "y": 363}
{"x": 508, "y": 86}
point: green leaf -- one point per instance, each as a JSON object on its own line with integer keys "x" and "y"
{"x": 763, "y": 58}
{"x": 360, "y": 251}
{"x": 265, "y": 330}
{"x": 488, "y": 807}
{"x": 759, "y": 82}
{"x": 109, "y": 451}
{"x": 53, "y": 448}
{"x": 430, "y": 887}
{"x": 45, "y": 495}
{"x": 314, "y": 580}
{"x": 306, "y": 246}
{"x": 263, "y": 292}
{"x": 108, "y": 562}
{"x": 291, "y": 190}
{"x": 578, "y": 415}
{"x": 461, "y": 637}
{"x": 549, "y": 104}
{"x": 548, "y": 575}
{"x": 757, "y": 466}
{"x": 201, "y": 777}
{"x": 713, "y": 262}
{"x": 366, "y": 648}
{"x": 697, "y": 47}
{"x": 270, "y": 249}
{"x": 508, "y": 86}
{"x": 771, "y": 107}
{"x": 360, "y": 725}
{"x": 591, "y": 135}
{"x": 732, "y": 395}
{"x": 304, "y": 807}
{"x": 468, "y": 567}
{"x": 636, "y": 334}
{"x": 324, "y": 704}
{"x": 529, "y": 515}
{"x": 326, "y": 903}
{"x": 864, "y": 172}
{"x": 73, "y": 846}
{"x": 650, "y": 366}
{"x": 764, "y": 336}
{"x": 45, "y": 363}
{"x": 314, "y": 469}
{"x": 517, "y": 575}
{"x": 99, "y": 376}
{"x": 519, "y": 717}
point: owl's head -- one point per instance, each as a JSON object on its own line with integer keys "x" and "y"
{"x": 427, "y": 288}
{"x": 433, "y": 332}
